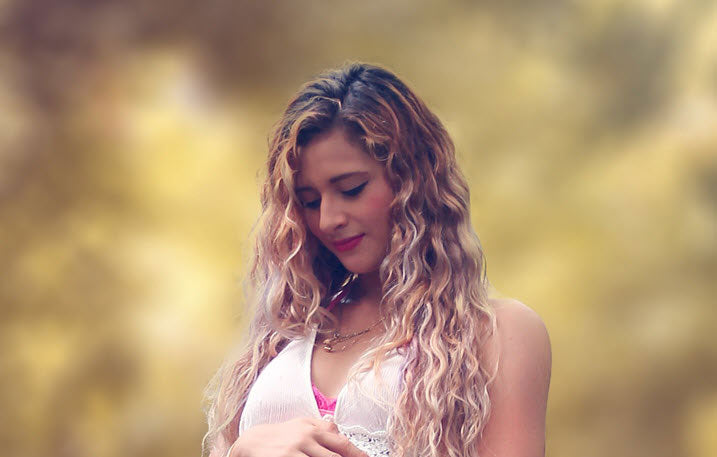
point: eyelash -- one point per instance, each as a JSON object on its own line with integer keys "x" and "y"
{"x": 355, "y": 191}
{"x": 314, "y": 204}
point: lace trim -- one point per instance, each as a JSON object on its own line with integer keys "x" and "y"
{"x": 374, "y": 444}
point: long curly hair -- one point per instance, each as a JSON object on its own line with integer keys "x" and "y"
{"x": 434, "y": 286}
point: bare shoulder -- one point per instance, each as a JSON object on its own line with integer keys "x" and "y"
{"x": 520, "y": 346}
{"x": 517, "y": 323}
{"x": 519, "y": 352}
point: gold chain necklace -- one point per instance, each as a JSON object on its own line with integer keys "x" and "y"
{"x": 329, "y": 344}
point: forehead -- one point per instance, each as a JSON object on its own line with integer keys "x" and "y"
{"x": 331, "y": 154}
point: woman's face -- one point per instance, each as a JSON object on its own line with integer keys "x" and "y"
{"x": 346, "y": 200}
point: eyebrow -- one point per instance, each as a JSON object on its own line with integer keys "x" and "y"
{"x": 336, "y": 179}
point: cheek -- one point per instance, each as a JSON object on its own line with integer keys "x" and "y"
{"x": 311, "y": 220}
{"x": 378, "y": 207}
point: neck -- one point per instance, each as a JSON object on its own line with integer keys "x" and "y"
{"x": 369, "y": 287}
{"x": 363, "y": 309}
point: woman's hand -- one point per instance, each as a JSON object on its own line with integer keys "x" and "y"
{"x": 301, "y": 437}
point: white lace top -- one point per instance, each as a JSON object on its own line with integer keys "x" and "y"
{"x": 282, "y": 392}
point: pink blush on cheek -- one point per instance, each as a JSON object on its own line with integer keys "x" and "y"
{"x": 379, "y": 200}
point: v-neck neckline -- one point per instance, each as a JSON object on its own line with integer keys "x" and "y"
{"x": 310, "y": 382}
{"x": 308, "y": 375}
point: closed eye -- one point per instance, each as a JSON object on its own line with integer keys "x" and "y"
{"x": 355, "y": 191}
{"x": 313, "y": 204}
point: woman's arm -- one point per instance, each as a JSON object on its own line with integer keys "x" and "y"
{"x": 519, "y": 393}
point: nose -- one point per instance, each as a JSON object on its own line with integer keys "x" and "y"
{"x": 332, "y": 216}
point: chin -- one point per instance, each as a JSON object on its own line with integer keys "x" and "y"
{"x": 360, "y": 269}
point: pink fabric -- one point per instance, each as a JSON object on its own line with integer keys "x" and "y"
{"x": 337, "y": 299}
{"x": 326, "y": 405}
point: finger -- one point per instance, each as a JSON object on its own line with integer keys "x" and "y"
{"x": 324, "y": 425}
{"x": 314, "y": 449}
{"x": 328, "y": 426}
{"x": 339, "y": 444}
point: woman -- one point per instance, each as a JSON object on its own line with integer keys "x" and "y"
{"x": 373, "y": 332}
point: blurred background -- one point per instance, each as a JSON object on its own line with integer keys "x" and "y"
{"x": 132, "y": 145}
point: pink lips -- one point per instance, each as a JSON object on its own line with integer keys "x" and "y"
{"x": 348, "y": 243}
